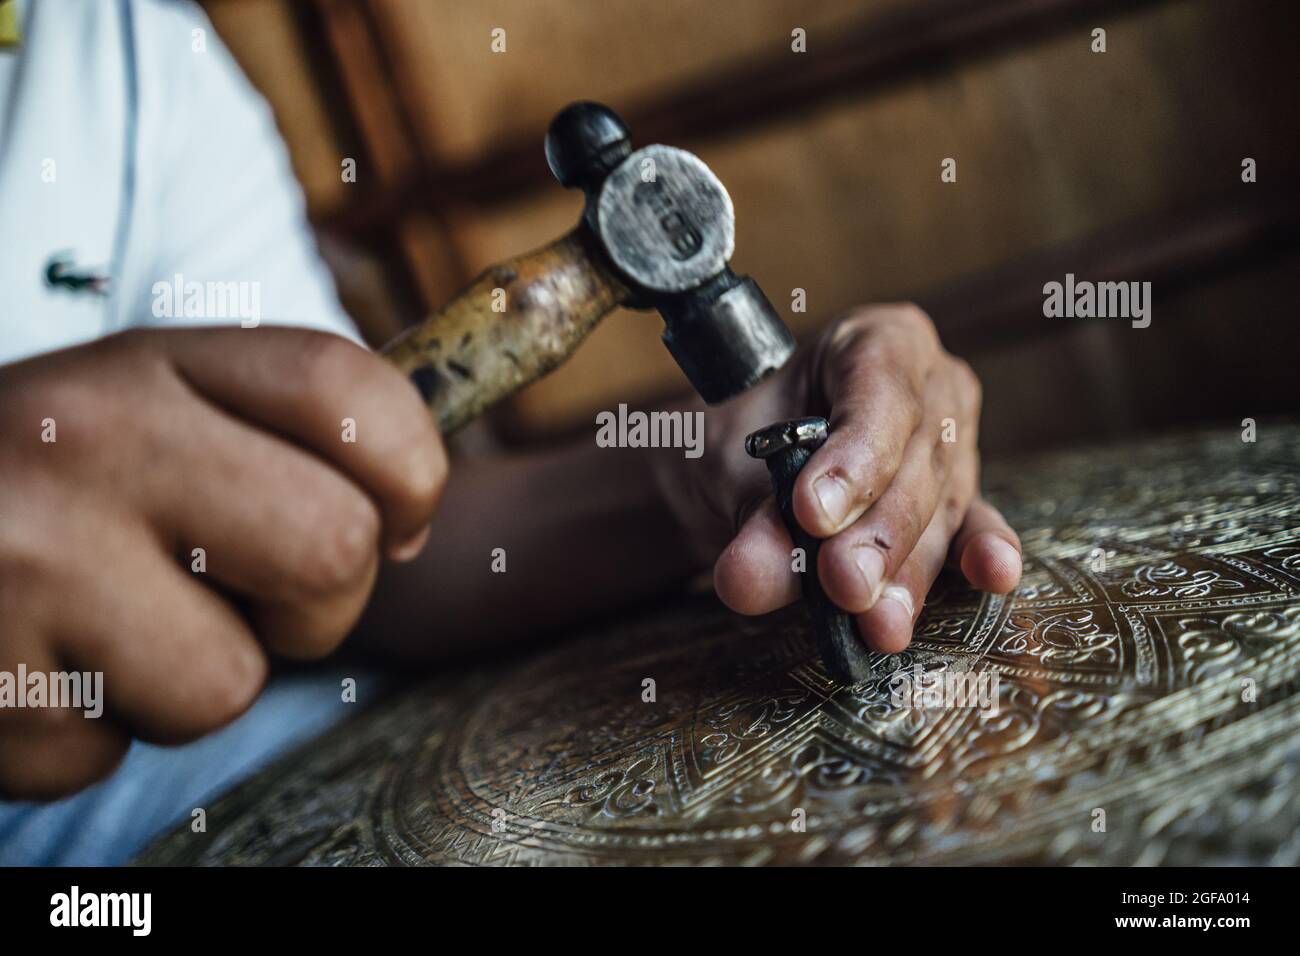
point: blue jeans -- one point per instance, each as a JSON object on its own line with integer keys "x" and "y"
{"x": 156, "y": 788}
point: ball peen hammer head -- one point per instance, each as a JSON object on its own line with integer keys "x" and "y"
{"x": 666, "y": 227}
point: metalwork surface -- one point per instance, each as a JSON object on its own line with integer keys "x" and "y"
{"x": 1156, "y": 684}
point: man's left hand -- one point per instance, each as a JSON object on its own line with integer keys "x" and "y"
{"x": 894, "y": 491}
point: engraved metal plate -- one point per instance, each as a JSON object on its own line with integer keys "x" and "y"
{"x": 1147, "y": 668}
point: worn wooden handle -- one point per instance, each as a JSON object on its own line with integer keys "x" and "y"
{"x": 516, "y": 322}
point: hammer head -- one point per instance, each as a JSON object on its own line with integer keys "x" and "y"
{"x": 665, "y": 226}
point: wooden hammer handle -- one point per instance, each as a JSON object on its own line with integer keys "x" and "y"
{"x": 516, "y": 322}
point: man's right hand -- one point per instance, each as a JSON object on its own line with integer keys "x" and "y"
{"x": 228, "y": 440}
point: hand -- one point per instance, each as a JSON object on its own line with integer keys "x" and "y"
{"x": 891, "y": 497}
{"x": 223, "y": 439}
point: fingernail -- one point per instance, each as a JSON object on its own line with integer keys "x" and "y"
{"x": 833, "y": 498}
{"x": 900, "y": 595}
{"x": 871, "y": 565}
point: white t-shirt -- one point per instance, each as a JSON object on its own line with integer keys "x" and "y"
{"x": 133, "y": 150}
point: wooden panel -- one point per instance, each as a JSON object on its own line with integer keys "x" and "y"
{"x": 326, "y": 79}
{"x": 900, "y": 42}
{"x": 465, "y": 96}
{"x": 1053, "y": 142}
{"x": 1219, "y": 351}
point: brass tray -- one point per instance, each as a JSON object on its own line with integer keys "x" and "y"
{"x": 1146, "y": 667}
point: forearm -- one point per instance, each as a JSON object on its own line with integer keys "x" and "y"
{"x": 580, "y": 529}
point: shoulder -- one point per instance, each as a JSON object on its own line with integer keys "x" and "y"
{"x": 186, "y": 74}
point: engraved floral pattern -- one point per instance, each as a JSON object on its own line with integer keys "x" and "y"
{"x": 1124, "y": 683}
{"x": 1063, "y": 637}
{"x": 1169, "y": 578}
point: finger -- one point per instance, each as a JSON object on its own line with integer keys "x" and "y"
{"x": 887, "y": 626}
{"x": 874, "y": 370}
{"x": 274, "y": 523}
{"x": 934, "y": 475}
{"x": 58, "y": 759}
{"x": 988, "y": 550}
{"x": 48, "y": 752}
{"x": 26, "y": 645}
{"x": 309, "y": 385}
{"x": 177, "y": 660}
{"x": 755, "y": 574}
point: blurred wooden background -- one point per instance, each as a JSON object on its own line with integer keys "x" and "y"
{"x": 1124, "y": 165}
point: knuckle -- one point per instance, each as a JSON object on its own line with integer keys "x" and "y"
{"x": 316, "y": 636}
{"x": 911, "y": 312}
{"x": 140, "y": 353}
{"x": 346, "y": 544}
{"x": 942, "y": 456}
{"x": 969, "y": 383}
{"x": 904, "y": 398}
{"x": 917, "y": 318}
{"x": 853, "y": 325}
{"x": 313, "y": 646}
{"x": 327, "y": 362}
{"x": 54, "y": 720}
{"x": 91, "y": 643}
{"x": 953, "y": 509}
{"x": 231, "y": 688}
{"x": 911, "y": 405}
{"x": 126, "y": 341}
{"x": 871, "y": 470}
{"x": 83, "y": 390}
{"x": 848, "y": 340}
{"x": 422, "y": 471}
{"x": 73, "y": 406}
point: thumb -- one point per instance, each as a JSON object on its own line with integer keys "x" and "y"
{"x": 755, "y": 574}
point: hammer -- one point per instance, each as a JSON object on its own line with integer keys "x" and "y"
{"x": 657, "y": 232}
